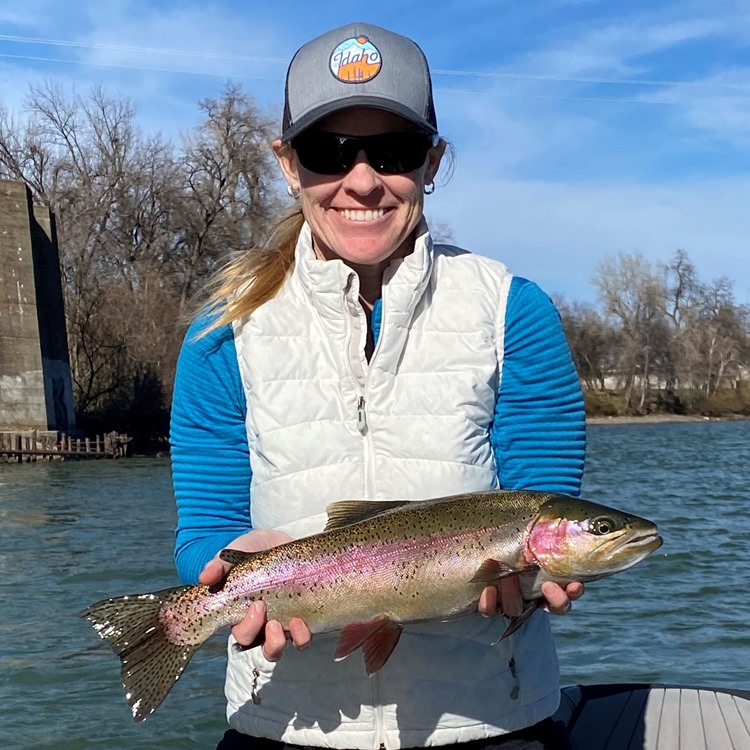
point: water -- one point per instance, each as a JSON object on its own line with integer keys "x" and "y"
{"x": 75, "y": 533}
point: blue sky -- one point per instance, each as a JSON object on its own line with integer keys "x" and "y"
{"x": 582, "y": 128}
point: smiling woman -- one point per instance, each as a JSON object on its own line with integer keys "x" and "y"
{"x": 352, "y": 357}
{"x": 362, "y": 194}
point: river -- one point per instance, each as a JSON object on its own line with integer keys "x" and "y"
{"x": 73, "y": 533}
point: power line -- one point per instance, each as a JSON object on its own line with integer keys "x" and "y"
{"x": 178, "y": 71}
{"x": 284, "y": 61}
{"x": 138, "y": 67}
{"x": 140, "y": 50}
{"x": 581, "y": 79}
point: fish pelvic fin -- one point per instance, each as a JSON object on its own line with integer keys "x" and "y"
{"x": 150, "y": 662}
{"x": 514, "y": 623}
{"x": 377, "y": 639}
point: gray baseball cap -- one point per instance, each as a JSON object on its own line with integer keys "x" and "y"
{"x": 357, "y": 65}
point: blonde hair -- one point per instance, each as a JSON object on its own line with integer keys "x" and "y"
{"x": 255, "y": 276}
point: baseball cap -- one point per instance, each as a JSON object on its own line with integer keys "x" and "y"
{"x": 357, "y": 65}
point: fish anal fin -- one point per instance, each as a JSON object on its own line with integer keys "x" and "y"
{"x": 491, "y": 571}
{"x": 515, "y": 622}
{"x": 346, "y": 512}
{"x": 377, "y": 638}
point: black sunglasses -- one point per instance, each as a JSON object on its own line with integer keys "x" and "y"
{"x": 387, "y": 153}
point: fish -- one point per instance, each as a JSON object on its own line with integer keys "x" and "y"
{"x": 377, "y": 566}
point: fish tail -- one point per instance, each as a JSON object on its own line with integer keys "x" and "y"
{"x": 151, "y": 663}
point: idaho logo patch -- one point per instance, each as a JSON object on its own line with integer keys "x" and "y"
{"x": 355, "y": 60}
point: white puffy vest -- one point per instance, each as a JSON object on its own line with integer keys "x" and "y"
{"x": 324, "y": 424}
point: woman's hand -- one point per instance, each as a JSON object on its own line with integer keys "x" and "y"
{"x": 506, "y": 599}
{"x": 254, "y": 626}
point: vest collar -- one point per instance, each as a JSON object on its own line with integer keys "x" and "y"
{"x": 329, "y": 282}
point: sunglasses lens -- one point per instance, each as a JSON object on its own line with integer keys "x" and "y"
{"x": 324, "y": 153}
{"x": 397, "y": 153}
{"x": 387, "y": 153}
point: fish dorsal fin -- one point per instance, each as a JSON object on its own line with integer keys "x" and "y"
{"x": 345, "y": 512}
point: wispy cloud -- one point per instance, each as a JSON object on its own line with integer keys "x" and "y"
{"x": 556, "y": 233}
{"x": 562, "y": 158}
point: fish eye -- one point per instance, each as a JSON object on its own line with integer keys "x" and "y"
{"x": 602, "y": 526}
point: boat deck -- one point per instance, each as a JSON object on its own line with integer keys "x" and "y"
{"x": 655, "y": 717}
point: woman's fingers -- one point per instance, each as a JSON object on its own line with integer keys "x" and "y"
{"x": 300, "y": 633}
{"x": 249, "y": 629}
{"x": 214, "y": 571}
{"x": 505, "y": 599}
{"x": 559, "y": 599}
{"x": 511, "y": 600}
{"x": 254, "y": 629}
{"x": 273, "y": 646}
{"x": 487, "y": 605}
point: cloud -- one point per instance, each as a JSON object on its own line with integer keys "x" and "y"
{"x": 717, "y": 106}
{"x": 556, "y": 232}
{"x": 551, "y": 174}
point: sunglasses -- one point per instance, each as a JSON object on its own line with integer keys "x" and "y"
{"x": 387, "y": 153}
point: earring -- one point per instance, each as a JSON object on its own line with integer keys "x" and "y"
{"x": 429, "y": 188}
{"x": 292, "y": 193}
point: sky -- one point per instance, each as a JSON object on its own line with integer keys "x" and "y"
{"x": 582, "y": 128}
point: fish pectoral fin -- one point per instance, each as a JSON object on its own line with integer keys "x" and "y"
{"x": 491, "y": 571}
{"x": 515, "y": 622}
{"x": 377, "y": 638}
{"x": 346, "y": 512}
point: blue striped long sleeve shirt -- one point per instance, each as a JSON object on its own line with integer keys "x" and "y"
{"x": 538, "y": 432}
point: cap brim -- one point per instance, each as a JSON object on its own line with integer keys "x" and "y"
{"x": 374, "y": 102}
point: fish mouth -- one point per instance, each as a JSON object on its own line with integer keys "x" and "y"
{"x": 652, "y": 541}
{"x": 630, "y": 552}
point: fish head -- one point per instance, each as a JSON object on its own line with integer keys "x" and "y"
{"x": 575, "y": 540}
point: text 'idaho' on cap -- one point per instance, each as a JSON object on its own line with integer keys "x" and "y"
{"x": 357, "y": 65}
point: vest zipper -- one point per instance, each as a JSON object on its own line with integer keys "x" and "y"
{"x": 359, "y": 372}
{"x": 361, "y": 415}
{"x": 379, "y": 733}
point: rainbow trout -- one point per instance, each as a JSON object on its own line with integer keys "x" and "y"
{"x": 377, "y": 566}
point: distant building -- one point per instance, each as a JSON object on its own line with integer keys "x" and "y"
{"x": 36, "y": 389}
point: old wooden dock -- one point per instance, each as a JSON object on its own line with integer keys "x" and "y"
{"x": 25, "y": 447}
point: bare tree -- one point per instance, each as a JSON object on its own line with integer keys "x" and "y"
{"x": 141, "y": 224}
{"x": 632, "y": 293}
{"x": 592, "y": 341}
{"x": 229, "y": 198}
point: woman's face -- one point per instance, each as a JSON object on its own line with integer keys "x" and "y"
{"x": 361, "y": 216}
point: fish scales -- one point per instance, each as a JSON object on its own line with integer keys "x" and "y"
{"x": 408, "y": 554}
{"x": 379, "y": 565}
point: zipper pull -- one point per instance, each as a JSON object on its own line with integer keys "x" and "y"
{"x": 361, "y": 415}
{"x": 516, "y": 686}
{"x": 254, "y": 688}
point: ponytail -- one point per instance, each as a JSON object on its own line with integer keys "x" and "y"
{"x": 255, "y": 276}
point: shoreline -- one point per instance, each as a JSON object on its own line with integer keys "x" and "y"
{"x": 662, "y": 418}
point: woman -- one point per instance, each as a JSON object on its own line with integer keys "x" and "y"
{"x": 354, "y": 358}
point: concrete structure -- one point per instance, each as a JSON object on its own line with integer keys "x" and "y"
{"x": 36, "y": 390}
